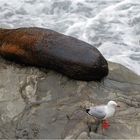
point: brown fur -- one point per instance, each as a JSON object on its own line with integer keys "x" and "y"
{"x": 46, "y": 48}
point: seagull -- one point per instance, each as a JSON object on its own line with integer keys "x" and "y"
{"x": 103, "y": 112}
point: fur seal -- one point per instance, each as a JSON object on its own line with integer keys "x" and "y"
{"x": 46, "y": 48}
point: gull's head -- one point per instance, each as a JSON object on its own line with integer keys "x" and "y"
{"x": 112, "y": 104}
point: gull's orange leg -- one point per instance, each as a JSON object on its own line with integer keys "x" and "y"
{"x": 105, "y": 125}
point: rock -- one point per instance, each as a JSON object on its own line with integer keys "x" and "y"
{"x": 97, "y": 136}
{"x": 40, "y": 104}
{"x": 83, "y": 135}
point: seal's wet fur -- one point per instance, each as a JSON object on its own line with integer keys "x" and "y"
{"x": 52, "y": 50}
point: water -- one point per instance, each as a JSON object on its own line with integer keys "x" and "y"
{"x": 113, "y": 26}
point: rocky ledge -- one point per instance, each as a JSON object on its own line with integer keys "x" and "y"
{"x": 44, "y": 104}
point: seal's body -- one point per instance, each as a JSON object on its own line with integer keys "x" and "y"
{"x": 49, "y": 49}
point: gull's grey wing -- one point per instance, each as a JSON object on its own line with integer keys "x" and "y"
{"x": 98, "y": 112}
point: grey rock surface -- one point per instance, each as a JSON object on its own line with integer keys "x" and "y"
{"x": 43, "y": 104}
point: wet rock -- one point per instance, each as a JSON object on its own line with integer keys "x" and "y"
{"x": 83, "y": 135}
{"x": 97, "y": 136}
{"x": 36, "y": 104}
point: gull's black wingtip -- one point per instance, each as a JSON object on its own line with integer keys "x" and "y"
{"x": 87, "y": 110}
